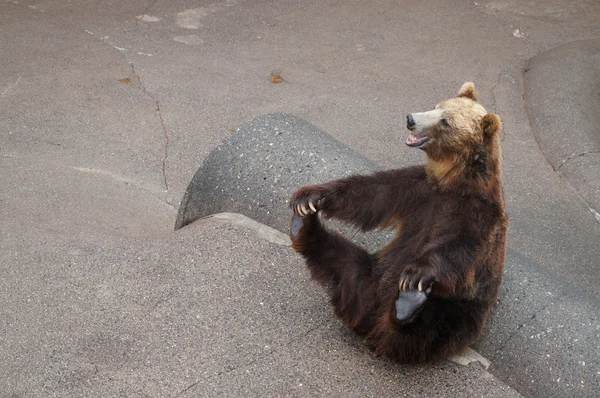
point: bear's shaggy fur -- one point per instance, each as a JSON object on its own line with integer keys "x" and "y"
{"x": 451, "y": 227}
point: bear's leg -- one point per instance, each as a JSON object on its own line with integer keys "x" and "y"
{"x": 333, "y": 259}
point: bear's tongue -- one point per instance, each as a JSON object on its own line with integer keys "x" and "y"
{"x": 411, "y": 139}
{"x": 415, "y": 141}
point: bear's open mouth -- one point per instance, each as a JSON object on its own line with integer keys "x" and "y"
{"x": 416, "y": 141}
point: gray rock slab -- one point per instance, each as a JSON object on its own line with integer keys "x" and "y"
{"x": 257, "y": 168}
{"x": 562, "y": 96}
{"x": 543, "y": 337}
{"x": 212, "y": 309}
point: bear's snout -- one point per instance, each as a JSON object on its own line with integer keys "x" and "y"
{"x": 410, "y": 122}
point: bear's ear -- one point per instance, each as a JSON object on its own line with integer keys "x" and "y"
{"x": 490, "y": 125}
{"x": 468, "y": 91}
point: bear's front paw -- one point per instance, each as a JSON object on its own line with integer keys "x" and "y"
{"x": 416, "y": 278}
{"x": 307, "y": 200}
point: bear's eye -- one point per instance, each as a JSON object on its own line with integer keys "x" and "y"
{"x": 444, "y": 122}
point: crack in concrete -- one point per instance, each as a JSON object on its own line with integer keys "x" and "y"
{"x": 187, "y": 389}
{"x": 493, "y": 91}
{"x": 162, "y": 124}
{"x": 539, "y": 145}
{"x": 166, "y": 147}
{"x": 142, "y": 87}
{"x": 574, "y": 156}
{"x": 583, "y": 200}
{"x": 231, "y": 368}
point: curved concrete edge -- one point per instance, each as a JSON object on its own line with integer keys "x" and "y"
{"x": 263, "y": 231}
{"x": 257, "y": 168}
{"x": 562, "y": 97}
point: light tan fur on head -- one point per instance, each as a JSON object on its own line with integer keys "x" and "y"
{"x": 461, "y": 129}
{"x": 461, "y": 141}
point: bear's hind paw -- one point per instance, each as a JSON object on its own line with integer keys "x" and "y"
{"x": 409, "y": 304}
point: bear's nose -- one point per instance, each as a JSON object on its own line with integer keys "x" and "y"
{"x": 410, "y": 122}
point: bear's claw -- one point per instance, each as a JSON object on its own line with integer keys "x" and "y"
{"x": 305, "y": 208}
{"x": 416, "y": 278}
{"x": 419, "y": 285}
{"x": 305, "y": 203}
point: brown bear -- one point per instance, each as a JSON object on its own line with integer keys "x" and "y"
{"x": 428, "y": 292}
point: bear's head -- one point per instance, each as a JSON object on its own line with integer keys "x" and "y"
{"x": 459, "y": 138}
{"x": 454, "y": 126}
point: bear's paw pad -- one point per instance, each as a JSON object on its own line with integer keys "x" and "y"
{"x": 409, "y": 304}
{"x": 297, "y": 223}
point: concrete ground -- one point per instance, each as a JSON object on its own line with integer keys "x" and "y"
{"x": 107, "y": 109}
